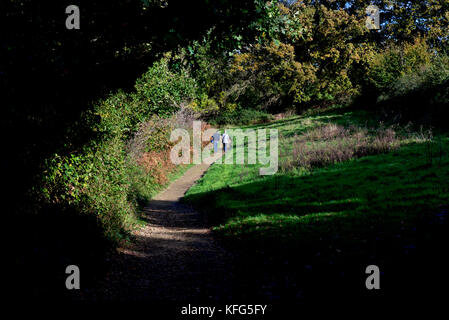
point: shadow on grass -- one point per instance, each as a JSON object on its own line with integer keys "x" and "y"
{"x": 339, "y": 187}
{"x": 318, "y": 232}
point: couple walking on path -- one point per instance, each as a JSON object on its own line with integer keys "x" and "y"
{"x": 225, "y": 139}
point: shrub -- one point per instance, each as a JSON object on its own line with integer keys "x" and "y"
{"x": 422, "y": 96}
{"x": 426, "y": 77}
{"x": 410, "y": 83}
{"x": 160, "y": 91}
{"x": 205, "y": 105}
{"x": 396, "y": 61}
{"x": 127, "y": 158}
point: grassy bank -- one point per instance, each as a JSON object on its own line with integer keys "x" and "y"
{"x": 383, "y": 203}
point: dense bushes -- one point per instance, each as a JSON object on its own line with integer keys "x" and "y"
{"x": 162, "y": 90}
{"x": 411, "y": 82}
{"x": 111, "y": 176}
{"x": 396, "y": 61}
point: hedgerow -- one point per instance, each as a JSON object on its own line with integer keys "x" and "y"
{"x": 110, "y": 178}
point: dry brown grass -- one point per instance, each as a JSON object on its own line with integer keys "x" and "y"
{"x": 333, "y": 143}
{"x": 157, "y": 164}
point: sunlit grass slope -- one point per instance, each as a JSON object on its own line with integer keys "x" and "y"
{"x": 370, "y": 209}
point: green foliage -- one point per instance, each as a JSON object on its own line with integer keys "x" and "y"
{"x": 241, "y": 116}
{"x": 398, "y": 61}
{"x": 410, "y": 81}
{"x": 103, "y": 179}
{"x": 209, "y": 68}
{"x": 428, "y": 77}
{"x": 312, "y": 53}
{"x": 115, "y": 115}
{"x": 161, "y": 91}
{"x": 270, "y": 22}
{"x": 94, "y": 181}
{"x": 306, "y": 58}
{"x": 205, "y": 105}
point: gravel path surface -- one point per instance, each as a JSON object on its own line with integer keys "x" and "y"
{"x": 174, "y": 257}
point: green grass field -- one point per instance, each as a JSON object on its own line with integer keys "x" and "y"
{"x": 388, "y": 209}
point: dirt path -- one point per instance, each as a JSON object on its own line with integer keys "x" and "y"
{"x": 174, "y": 257}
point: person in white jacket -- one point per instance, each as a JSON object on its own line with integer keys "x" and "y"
{"x": 226, "y": 141}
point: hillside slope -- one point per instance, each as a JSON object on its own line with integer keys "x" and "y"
{"x": 350, "y": 192}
